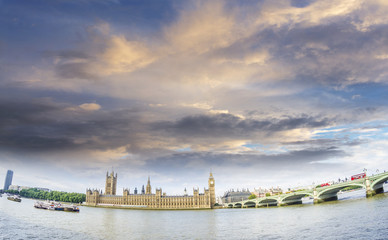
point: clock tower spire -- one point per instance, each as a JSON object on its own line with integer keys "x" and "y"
{"x": 212, "y": 190}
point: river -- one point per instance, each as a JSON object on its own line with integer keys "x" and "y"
{"x": 351, "y": 217}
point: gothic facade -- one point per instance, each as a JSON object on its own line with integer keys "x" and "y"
{"x": 110, "y": 184}
{"x": 147, "y": 199}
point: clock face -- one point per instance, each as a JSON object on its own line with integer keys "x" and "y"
{"x": 211, "y": 182}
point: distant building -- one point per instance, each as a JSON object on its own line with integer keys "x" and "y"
{"x": 260, "y": 192}
{"x": 276, "y": 191}
{"x": 8, "y": 180}
{"x": 13, "y": 187}
{"x": 147, "y": 199}
{"x": 19, "y": 188}
{"x": 235, "y": 196}
{"x": 39, "y": 188}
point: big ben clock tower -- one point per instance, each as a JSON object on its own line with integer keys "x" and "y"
{"x": 212, "y": 190}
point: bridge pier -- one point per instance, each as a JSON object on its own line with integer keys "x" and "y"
{"x": 369, "y": 191}
{"x": 316, "y": 199}
{"x": 279, "y": 202}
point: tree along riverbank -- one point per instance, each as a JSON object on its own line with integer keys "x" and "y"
{"x": 52, "y": 195}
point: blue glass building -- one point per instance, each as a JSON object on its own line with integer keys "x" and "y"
{"x": 8, "y": 179}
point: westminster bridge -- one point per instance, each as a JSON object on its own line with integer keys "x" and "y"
{"x": 372, "y": 185}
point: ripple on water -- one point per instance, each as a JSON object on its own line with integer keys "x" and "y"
{"x": 353, "y": 218}
{"x": 12, "y": 228}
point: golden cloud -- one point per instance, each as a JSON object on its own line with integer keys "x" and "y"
{"x": 207, "y": 27}
{"x": 314, "y": 14}
{"x": 90, "y": 106}
{"x": 122, "y": 56}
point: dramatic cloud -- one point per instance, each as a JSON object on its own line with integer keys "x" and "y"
{"x": 43, "y": 125}
{"x": 206, "y": 27}
{"x": 175, "y": 88}
{"x": 227, "y": 125}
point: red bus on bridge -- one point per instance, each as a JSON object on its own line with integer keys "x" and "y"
{"x": 358, "y": 176}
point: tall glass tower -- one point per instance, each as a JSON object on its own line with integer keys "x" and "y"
{"x": 8, "y": 179}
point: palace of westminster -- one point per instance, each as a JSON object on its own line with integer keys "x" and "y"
{"x": 147, "y": 199}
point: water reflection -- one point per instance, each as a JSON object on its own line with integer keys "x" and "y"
{"x": 353, "y": 216}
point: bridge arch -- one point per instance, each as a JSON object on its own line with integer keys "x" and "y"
{"x": 237, "y": 205}
{"x": 230, "y": 205}
{"x": 250, "y": 204}
{"x": 332, "y": 191}
{"x": 268, "y": 202}
{"x": 377, "y": 183}
{"x": 295, "y": 198}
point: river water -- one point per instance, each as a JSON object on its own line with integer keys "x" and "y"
{"x": 351, "y": 217}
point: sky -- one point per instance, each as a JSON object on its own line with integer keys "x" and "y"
{"x": 262, "y": 93}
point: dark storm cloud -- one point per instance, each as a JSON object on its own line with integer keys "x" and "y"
{"x": 331, "y": 54}
{"x": 222, "y": 125}
{"x": 69, "y": 68}
{"x": 15, "y": 113}
{"x": 74, "y": 70}
{"x": 43, "y": 125}
{"x": 208, "y": 159}
{"x": 334, "y": 54}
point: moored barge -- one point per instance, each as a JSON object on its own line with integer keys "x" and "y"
{"x": 56, "y": 206}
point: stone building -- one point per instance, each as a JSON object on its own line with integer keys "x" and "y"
{"x": 262, "y": 192}
{"x": 110, "y": 184}
{"x": 147, "y": 199}
{"x": 235, "y": 196}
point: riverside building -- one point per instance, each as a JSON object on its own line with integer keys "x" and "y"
{"x": 147, "y": 199}
{"x": 8, "y": 180}
{"x": 235, "y": 196}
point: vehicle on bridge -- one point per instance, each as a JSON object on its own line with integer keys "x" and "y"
{"x": 325, "y": 184}
{"x": 358, "y": 176}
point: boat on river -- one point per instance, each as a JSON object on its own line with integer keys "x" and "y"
{"x": 55, "y": 206}
{"x": 14, "y": 198}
